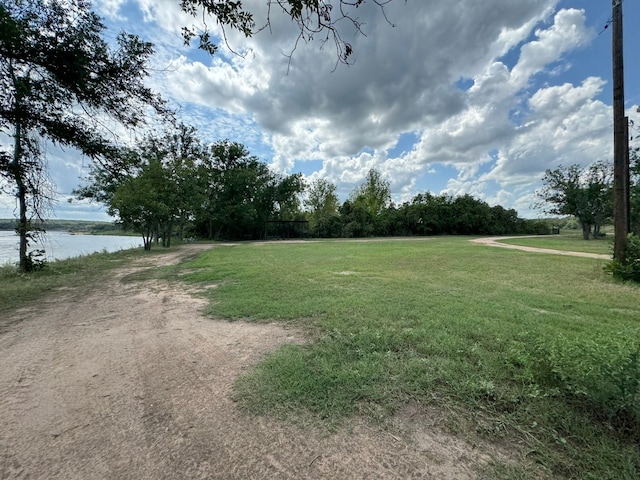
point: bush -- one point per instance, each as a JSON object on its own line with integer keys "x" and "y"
{"x": 600, "y": 377}
{"x": 36, "y": 260}
{"x": 630, "y": 268}
{"x": 537, "y": 227}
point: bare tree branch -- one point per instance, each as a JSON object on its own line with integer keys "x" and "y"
{"x": 313, "y": 17}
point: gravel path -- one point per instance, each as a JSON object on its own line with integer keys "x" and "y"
{"x": 495, "y": 242}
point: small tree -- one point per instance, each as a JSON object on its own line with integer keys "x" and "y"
{"x": 585, "y": 194}
{"x": 140, "y": 202}
{"x": 374, "y": 194}
{"x": 323, "y": 205}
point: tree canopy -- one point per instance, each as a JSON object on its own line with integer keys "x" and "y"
{"x": 583, "y": 193}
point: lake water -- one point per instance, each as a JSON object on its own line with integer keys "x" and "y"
{"x": 61, "y": 245}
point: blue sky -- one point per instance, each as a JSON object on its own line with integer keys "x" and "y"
{"x": 459, "y": 97}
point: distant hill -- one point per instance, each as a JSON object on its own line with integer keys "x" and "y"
{"x": 73, "y": 226}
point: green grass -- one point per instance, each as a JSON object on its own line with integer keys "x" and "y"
{"x": 567, "y": 241}
{"x": 540, "y": 351}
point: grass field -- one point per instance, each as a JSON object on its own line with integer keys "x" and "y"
{"x": 535, "y": 350}
{"x": 538, "y": 352}
{"x": 567, "y": 241}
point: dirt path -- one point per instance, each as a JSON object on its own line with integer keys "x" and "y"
{"x": 130, "y": 381}
{"x": 495, "y": 242}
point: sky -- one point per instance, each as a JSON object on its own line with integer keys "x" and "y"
{"x": 451, "y": 97}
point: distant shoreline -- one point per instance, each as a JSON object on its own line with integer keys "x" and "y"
{"x": 75, "y": 227}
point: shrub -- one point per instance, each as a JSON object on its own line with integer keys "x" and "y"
{"x": 600, "y": 377}
{"x": 537, "y": 227}
{"x": 630, "y": 268}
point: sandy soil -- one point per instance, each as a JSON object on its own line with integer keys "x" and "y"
{"x": 130, "y": 381}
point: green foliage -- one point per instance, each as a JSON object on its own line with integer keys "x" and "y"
{"x": 598, "y": 374}
{"x": 373, "y": 195}
{"x": 536, "y": 227}
{"x": 322, "y": 203}
{"x": 141, "y": 203}
{"x": 240, "y": 193}
{"x": 630, "y": 268}
{"x": 586, "y": 194}
{"x": 428, "y": 214}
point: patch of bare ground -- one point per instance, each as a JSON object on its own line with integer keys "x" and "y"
{"x": 130, "y": 381}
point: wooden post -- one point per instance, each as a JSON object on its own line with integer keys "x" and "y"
{"x": 620, "y": 143}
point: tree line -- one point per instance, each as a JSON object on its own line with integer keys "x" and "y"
{"x": 175, "y": 184}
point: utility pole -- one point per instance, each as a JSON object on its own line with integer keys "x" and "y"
{"x": 620, "y": 141}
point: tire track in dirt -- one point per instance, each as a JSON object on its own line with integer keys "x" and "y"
{"x": 131, "y": 381}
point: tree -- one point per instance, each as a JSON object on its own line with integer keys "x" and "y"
{"x": 374, "y": 194}
{"x": 314, "y": 18}
{"x": 372, "y": 197}
{"x": 323, "y": 205}
{"x": 62, "y": 83}
{"x": 585, "y": 194}
{"x": 166, "y": 167}
{"x": 240, "y": 193}
{"x": 180, "y": 151}
{"x": 141, "y": 203}
{"x": 470, "y": 216}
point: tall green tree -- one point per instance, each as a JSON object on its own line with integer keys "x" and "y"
{"x": 61, "y": 82}
{"x": 180, "y": 151}
{"x": 169, "y": 167}
{"x": 322, "y": 203}
{"x": 140, "y": 202}
{"x": 584, "y": 193}
{"x": 374, "y": 194}
{"x": 241, "y": 193}
{"x": 367, "y": 201}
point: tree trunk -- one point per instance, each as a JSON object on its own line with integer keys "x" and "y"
{"x": 586, "y": 230}
{"x": 146, "y": 240}
{"x": 17, "y": 171}
{"x": 168, "y": 230}
{"x": 181, "y": 228}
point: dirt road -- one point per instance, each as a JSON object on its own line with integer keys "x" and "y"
{"x": 130, "y": 381}
{"x": 495, "y": 242}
